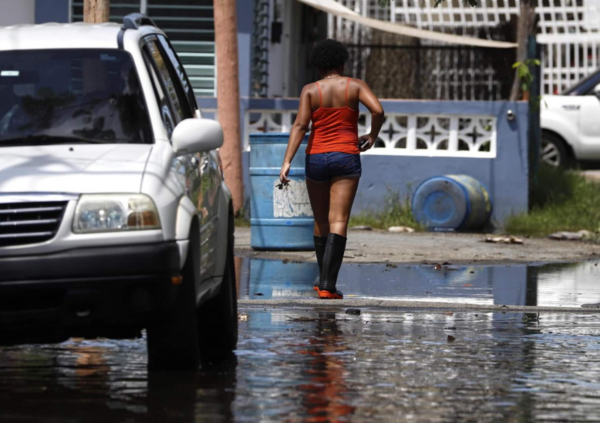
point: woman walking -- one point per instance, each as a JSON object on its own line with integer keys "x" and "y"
{"x": 333, "y": 166}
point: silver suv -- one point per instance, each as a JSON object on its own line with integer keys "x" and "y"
{"x": 114, "y": 216}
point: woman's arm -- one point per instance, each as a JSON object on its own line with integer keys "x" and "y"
{"x": 297, "y": 134}
{"x": 371, "y": 102}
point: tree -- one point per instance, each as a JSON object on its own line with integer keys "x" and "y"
{"x": 96, "y": 11}
{"x": 228, "y": 95}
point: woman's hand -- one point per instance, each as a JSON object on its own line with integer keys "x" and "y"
{"x": 285, "y": 170}
{"x": 370, "y": 141}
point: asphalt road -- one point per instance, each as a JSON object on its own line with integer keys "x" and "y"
{"x": 383, "y": 247}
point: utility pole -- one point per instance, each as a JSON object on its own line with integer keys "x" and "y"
{"x": 228, "y": 97}
{"x": 526, "y": 27}
{"x": 96, "y": 11}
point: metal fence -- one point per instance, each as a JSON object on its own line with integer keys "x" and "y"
{"x": 434, "y": 72}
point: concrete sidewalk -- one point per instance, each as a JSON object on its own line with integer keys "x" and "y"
{"x": 399, "y": 305}
{"x": 384, "y": 247}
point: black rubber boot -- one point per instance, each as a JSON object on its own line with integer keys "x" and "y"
{"x": 320, "y": 243}
{"x": 332, "y": 261}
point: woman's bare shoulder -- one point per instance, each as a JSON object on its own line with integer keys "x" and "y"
{"x": 359, "y": 82}
{"x": 310, "y": 88}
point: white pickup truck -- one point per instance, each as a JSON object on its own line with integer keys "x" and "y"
{"x": 571, "y": 124}
{"x": 114, "y": 215}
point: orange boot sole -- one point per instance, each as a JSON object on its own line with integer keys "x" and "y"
{"x": 326, "y": 295}
{"x": 316, "y": 288}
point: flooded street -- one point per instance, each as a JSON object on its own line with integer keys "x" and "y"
{"x": 555, "y": 285}
{"x": 301, "y": 365}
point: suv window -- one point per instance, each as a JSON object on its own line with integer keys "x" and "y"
{"x": 71, "y": 95}
{"x": 170, "y": 83}
{"x": 163, "y": 102}
{"x": 180, "y": 71}
{"x": 585, "y": 86}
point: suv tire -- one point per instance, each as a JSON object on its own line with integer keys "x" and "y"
{"x": 173, "y": 341}
{"x": 218, "y": 320}
{"x": 554, "y": 151}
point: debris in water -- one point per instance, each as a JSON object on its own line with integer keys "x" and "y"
{"x": 504, "y": 240}
{"x": 451, "y": 338}
{"x": 400, "y": 229}
{"x": 353, "y": 311}
{"x": 259, "y": 294}
{"x": 572, "y": 236}
{"x": 361, "y": 228}
{"x": 242, "y": 317}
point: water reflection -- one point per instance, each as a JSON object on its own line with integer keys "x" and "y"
{"x": 107, "y": 381}
{"x": 325, "y": 394}
{"x": 296, "y": 366}
{"x": 547, "y": 285}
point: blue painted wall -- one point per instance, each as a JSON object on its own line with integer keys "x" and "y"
{"x": 51, "y": 11}
{"x": 505, "y": 176}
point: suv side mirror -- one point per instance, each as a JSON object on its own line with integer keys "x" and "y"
{"x": 196, "y": 135}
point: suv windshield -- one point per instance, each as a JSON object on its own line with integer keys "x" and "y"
{"x": 71, "y": 96}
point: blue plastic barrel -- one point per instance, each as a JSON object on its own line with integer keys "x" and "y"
{"x": 452, "y": 202}
{"x": 281, "y": 219}
{"x": 281, "y": 279}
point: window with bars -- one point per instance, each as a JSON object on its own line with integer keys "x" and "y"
{"x": 189, "y": 24}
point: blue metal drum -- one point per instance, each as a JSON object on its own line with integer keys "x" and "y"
{"x": 281, "y": 219}
{"x": 452, "y": 202}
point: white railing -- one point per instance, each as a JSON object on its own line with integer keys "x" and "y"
{"x": 402, "y": 134}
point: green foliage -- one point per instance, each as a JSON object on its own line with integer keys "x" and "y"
{"x": 524, "y": 72}
{"x": 559, "y": 200}
{"x": 241, "y": 220}
{"x": 395, "y": 212}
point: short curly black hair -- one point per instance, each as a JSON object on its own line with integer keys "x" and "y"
{"x": 329, "y": 55}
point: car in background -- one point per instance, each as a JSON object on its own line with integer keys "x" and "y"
{"x": 570, "y": 124}
{"x": 114, "y": 214}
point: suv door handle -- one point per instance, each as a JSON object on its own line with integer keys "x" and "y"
{"x": 571, "y": 106}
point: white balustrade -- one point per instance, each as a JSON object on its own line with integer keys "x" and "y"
{"x": 402, "y": 134}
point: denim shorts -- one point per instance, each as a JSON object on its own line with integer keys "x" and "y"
{"x": 322, "y": 167}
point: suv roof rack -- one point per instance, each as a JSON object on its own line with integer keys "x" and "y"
{"x": 135, "y": 20}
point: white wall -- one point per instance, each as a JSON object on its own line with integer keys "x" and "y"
{"x": 14, "y": 12}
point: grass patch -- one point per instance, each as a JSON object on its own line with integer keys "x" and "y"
{"x": 396, "y": 212}
{"x": 558, "y": 201}
{"x": 241, "y": 220}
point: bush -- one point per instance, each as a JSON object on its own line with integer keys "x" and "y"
{"x": 559, "y": 200}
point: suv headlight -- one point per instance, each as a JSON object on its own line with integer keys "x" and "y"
{"x": 115, "y": 213}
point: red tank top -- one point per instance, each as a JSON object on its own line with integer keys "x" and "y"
{"x": 334, "y": 129}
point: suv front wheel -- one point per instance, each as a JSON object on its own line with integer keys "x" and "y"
{"x": 173, "y": 341}
{"x": 217, "y": 319}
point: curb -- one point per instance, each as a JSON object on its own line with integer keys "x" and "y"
{"x": 413, "y": 305}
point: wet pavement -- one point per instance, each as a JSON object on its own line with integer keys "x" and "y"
{"x": 322, "y": 365}
{"x": 552, "y": 285}
{"x": 296, "y": 365}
